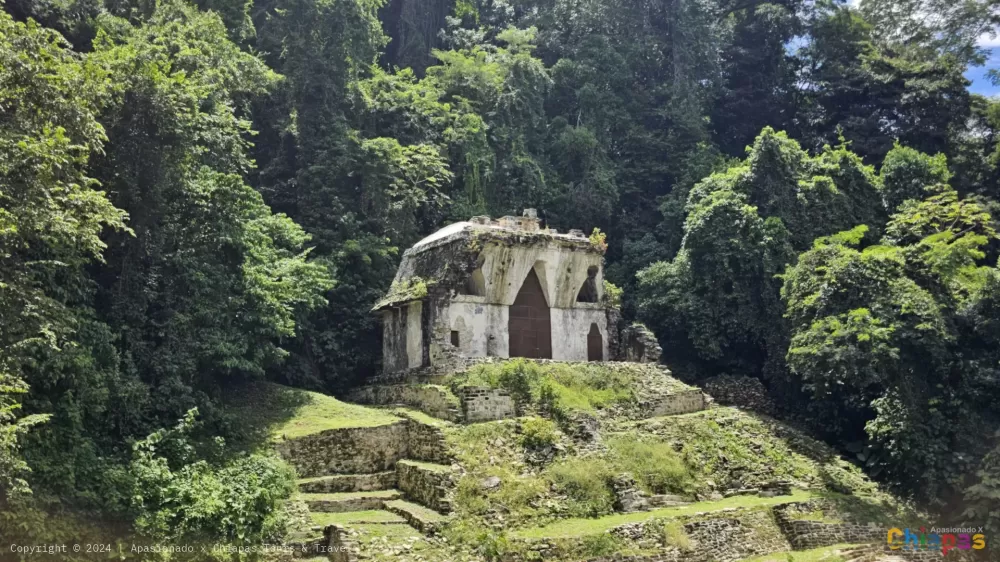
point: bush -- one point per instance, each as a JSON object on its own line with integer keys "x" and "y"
{"x": 537, "y": 433}
{"x": 654, "y": 464}
{"x": 517, "y": 376}
{"x": 177, "y": 500}
{"x": 587, "y": 483}
{"x": 558, "y": 389}
{"x": 674, "y": 535}
{"x": 604, "y": 544}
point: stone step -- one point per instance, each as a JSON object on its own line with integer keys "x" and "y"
{"x": 347, "y": 450}
{"x": 423, "y": 519}
{"x": 426, "y": 483}
{"x": 349, "y": 518}
{"x": 306, "y": 543}
{"x": 348, "y": 483}
{"x": 666, "y": 500}
{"x": 348, "y": 501}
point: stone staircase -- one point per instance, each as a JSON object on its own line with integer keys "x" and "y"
{"x": 393, "y": 485}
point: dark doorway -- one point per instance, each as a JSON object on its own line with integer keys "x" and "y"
{"x": 588, "y": 292}
{"x": 595, "y": 344}
{"x": 530, "y": 326}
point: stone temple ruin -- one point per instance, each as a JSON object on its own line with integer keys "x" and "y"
{"x": 503, "y": 288}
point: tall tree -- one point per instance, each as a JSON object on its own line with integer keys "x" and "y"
{"x": 206, "y": 283}
{"x": 873, "y": 95}
{"x": 52, "y": 212}
{"x": 716, "y": 302}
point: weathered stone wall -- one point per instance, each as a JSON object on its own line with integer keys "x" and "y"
{"x": 740, "y": 391}
{"x": 427, "y": 443}
{"x": 729, "y": 539}
{"x": 683, "y": 402}
{"x": 434, "y": 400}
{"x": 425, "y": 485}
{"x": 363, "y": 452}
{"x": 394, "y": 340}
{"x": 804, "y": 535}
{"x": 807, "y": 533}
{"x": 727, "y": 536}
{"x": 560, "y": 268}
{"x": 350, "y": 483}
{"x": 347, "y": 451}
{"x": 486, "y": 404}
{"x": 638, "y": 344}
{"x": 341, "y": 548}
{"x": 736, "y": 534}
{"x": 343, "y": 505}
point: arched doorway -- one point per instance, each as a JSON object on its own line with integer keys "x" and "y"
{"x": 595, "y": 344}
{"x": 529, "y": 326}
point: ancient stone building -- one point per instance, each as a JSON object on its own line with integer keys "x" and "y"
{"x": 501, "y": 288}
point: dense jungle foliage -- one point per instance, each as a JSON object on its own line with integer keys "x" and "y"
{"x": 199, "y": 193}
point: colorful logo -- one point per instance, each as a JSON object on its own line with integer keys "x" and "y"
{"x": 944, "y": 539}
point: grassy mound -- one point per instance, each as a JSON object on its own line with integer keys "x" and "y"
{"x": 562, "y": 389}
{"x": 280, "y": 411}
{"x": 580, "y": 527}
{"x": 539, "y": 477}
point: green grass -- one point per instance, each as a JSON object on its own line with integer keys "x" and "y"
{"x": 420, "y": 417}
{"x": 814, "y": 515}
{"x": 346, "y": 518}
{"x": 493, "y": 449}
{"x": 736, "y": 449}
{"x": 822, "y": 554}
{"x": 350, "y": 495}
{"x": 290, "y": 413}
{"x": 559, "y": 387}
{"x": 420, "y": 511}
{"x": 674, "y": 535}
{"x": 439, "y": 468}
{"x": 391, "y": 532}
{"x": 330, "y": 476}
{"x": 586, "y": 481}
{"x": 655, "y": 465}
{"x": 579, "y": 527}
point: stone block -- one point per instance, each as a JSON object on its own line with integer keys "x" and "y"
{"x": 425, "y": 484}
{"x": 486, "y": 404}
{"x": 351, "y": 450}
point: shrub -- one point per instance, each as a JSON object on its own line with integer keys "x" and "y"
{"x": 613, "y": 294}
{"x": 175, "y": 499}
{"x": 674, "y": 535}
{"x": 537, "y": 433}
{"x": 604, "y": 544}
{"x": 517, "y": 376}
{"x": 586, "y": 481}
{"x": 654, "y": 464}
{"x": 558, "y": 389}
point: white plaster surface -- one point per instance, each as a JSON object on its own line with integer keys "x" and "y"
{"x": 414, "y": 335}
{"x": 561, "y": 271}
{"x": 570, "y": 327}
{"x": 443, "y": 233}
{"x": 476, "y": 322}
